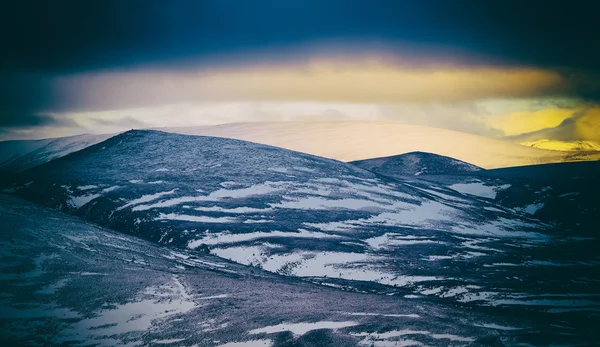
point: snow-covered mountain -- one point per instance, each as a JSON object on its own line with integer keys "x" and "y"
{"x": 18, "y": 155}
{"x": 16, "y": 148}
{"x": 287, "y": 216}
{"x": 287, "y": 212}
{"x": 66, "y": 282}
{"x": 358, "y": 140}
{"x": 343, "y": 140}
{"x": 416, "y": 164}
{"x": 562, "y": 194}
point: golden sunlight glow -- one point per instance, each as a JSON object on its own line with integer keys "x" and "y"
{"x": 566, "y": 146}
{"x": 521, "y": 122}
{"x": 438, "y": 94}
{"x": 379, "y": 83}
{"x": 587, "y": 126}
{"x": 319, "y": 80}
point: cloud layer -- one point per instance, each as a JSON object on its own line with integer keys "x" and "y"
{"x": 318, "y": 80}
{"x": 97, "y": 65}
{"x": 577, "y": 124}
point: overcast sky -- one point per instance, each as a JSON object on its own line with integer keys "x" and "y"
{"x": 494, "y": 68}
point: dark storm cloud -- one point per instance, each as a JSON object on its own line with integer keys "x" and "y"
{"x": 21, "y": 97}
{"x": 40, "y": 39}
{"x": 74, "y": 35}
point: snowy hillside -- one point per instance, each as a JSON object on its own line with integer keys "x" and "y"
{"x": 358, "y": 140}
{"x": 416, "y": 164}
{"x": 564, "y": 194}
{"x": 288, "y": 213}
{"x": 283, "y": 216}
{"x": 560, "y": 194}
{"x": 346, "y": 141}
{"x": 64, "y": 281}
{"x": 10, "y": 150}
{"x": 16, "y": 156}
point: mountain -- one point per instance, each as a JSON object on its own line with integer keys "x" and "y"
{"x": 358, "y": 140}
{"x": 66, "y": 282}
{"x": 416, "y": 164}
{"x": 16, "y": 148}
{"x": 562, "y": 194}
{"x": 367, "y": 249}
{"x": 18, "y": 155}
{"x": 343, "y": 140}
{"x": 289, "y": 213}
{"x": 557, "y": 145}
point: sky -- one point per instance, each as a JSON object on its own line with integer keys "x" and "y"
{"x": 518, "y": 70}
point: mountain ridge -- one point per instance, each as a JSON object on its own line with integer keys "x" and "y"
{"x": 269, "y": 211}
{"x": 359, "y": 140}
{"x": 342, "y": 140}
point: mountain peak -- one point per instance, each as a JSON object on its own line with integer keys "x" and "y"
{"x": 416, "y": 164}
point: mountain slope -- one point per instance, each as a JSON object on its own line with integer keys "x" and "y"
{"x": 12, "y": 149}
{"x": 565, "y": 194}
{"x": 346, "y": 141}
{"x": 64, "y": 281}
{"x": 289, "y": 213}
{"x": 416, "y": 164}
{"x": 358, "y": 140}
{"x": 16, "y": 156}
{"x": 561, "y": 194}
{"x": 329, "y": 223}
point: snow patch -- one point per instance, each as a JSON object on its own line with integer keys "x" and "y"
{"x": 251, "y": 343}
{"x": 342, "y": 265}
{"x": 533, "y": 208}
{"x": 228, "y": 237}
{"x": 479, "y": 189}
{"x": 389, "y": 240}
{"x": 88, "y": 187}
{"x": 302, "y": 328}
{"x": 80, "y": 201}
{"x": 146, "y": 198}
{"x": 199, "y": 219}
{"x": 110, "y": 189}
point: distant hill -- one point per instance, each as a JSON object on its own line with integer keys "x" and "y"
{"x": 563, "y": 194}
{"x": 16, "y": 156}
{"x": 416, "y": 164}
{"x": 359, "y": 140}
{"x": 571, "y": 146}
{"x": 340, "y": 140}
